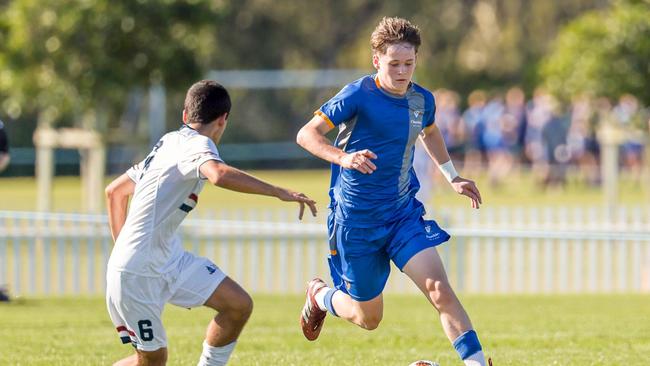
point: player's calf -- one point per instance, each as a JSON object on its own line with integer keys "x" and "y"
{"x": 153, "y": 358}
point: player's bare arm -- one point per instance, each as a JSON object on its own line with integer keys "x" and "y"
{"x": 437, "y": 150}
{"x": 225, "y": 176}
{"x": 312, "y": 138}
{"x": 117, "y": 201}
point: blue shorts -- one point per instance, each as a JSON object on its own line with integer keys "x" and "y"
{"x": 360, "y": 258}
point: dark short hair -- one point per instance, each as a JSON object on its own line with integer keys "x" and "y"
{"x": 392, "y": 31}
{"x": 206, "y": 101}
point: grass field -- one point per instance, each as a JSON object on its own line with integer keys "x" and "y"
{"x": 520, "y": 190}
{"x": 515, "y": 330}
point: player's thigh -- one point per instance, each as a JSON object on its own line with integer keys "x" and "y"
{"x": 135, "y": 306}
{"x": 359, "y": 266}
{"x": 426, "y": 270}
{"x": 410, "y": 236}
{"x": 197, "y": 278}
{"x": 373, "y": 308}
{"x": 229, "y": 296}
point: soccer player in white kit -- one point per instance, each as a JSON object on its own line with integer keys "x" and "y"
{"x": 148, "y": 266}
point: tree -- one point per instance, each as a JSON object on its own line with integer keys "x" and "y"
{"x": 603, "y": 53}
{"x": 68, "y": 58}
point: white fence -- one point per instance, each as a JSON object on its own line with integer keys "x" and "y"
{"x": 504, "y": 250}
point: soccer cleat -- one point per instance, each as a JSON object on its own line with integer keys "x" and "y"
{"x": 489, "y": 361}
{"x": 312, "y": 317}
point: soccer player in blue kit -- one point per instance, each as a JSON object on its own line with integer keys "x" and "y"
{"x": 375, "y": 217}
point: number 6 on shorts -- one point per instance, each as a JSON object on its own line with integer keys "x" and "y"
{"x": 146, "y": 334}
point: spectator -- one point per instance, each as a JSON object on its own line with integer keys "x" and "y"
{"x": 538, "y": 114}
{"x": 4, "y": 148}
{"x": 582, "y": 142}
{"x": 474, "y": 122}
{"x": 629, "y": 116}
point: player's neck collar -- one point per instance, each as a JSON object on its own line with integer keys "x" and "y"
{"x": 393, "y": 95}
{"x": 188, "y": 126}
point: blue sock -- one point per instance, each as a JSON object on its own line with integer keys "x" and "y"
{"x": 328, "y": 301}
{"x": 467, "y": 344}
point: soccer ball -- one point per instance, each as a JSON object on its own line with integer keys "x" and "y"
{"x": 424, "y": 363}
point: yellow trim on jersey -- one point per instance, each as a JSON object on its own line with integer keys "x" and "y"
{"x": 324, "y": 116}
{"x": 377, "y": 81}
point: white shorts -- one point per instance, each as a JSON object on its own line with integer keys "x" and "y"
{"x": 135, "y": 303}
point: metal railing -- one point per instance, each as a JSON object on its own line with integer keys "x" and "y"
{"x": 504, "y": 250}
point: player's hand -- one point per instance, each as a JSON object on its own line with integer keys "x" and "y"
{"x": 467, "y": 188}
{"x": 360, "y": 161}
{"x": 291, "y": 196}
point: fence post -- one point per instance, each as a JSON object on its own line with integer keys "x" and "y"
{"x": 17, "y": 258}
{"x": 60, "y": 229}
{"x": 268, "y": 256}
{"x": 593, "y": 250}
{"x": 534, "y": 253}
{"x": 563, "y": 252}
{"x": 475, "y": 257}
{"x": 622, "y": 251}
{"x": 76, "y": 260}
{"x": 254, "y": 253}
{"x": 636, "y": 250}
{"x": 608, "y": 261}
{"x": 519, "y": 251}
{"x": 578, "y": 252}
{"x": 548, "y": 251}
{"x": 283, "y": 251}
{"x": 504, "y": 253}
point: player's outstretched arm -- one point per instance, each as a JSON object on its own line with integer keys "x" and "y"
{"x": 117, "y": 201}
{"x": 225, "y": 176}
{"x": 434, "y": 143}
{"x": 312, "y": 138}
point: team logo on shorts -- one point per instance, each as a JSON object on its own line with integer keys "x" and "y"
{"x": 211, "y": 268}
{"x": 431, "y": 235}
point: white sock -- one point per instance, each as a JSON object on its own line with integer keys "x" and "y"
{"x": 477, "y": 359}
{"x": 215, "y": 356}
{"x": 320, "y": 298}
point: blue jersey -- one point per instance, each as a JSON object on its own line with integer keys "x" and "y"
{"x": 388, "y": 125}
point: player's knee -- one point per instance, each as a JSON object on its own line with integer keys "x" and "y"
{"x": 369, "y": 321}
{"x": 153, "y": 358}
{"x": 241, "y": 308}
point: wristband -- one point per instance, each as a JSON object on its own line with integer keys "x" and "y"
{"x": 448, "y": 170}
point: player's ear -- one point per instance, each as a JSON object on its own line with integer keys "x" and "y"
{"x": 375, "y": 61}
{"x": 222, "y": 119}
{"x": 184, "y": 116}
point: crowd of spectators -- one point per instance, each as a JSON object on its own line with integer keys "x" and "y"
{"x": 502, "y": 133}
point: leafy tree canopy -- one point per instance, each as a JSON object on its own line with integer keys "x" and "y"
{"x": 603, "y": 53}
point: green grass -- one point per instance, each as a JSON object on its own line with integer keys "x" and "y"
{"x": 518, "y": 190}
{"x": 515, "y": 330}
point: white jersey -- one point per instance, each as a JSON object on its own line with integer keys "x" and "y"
{"x": 168, "y": 183}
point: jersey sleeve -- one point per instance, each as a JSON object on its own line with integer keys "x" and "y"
{"x": 430, "y": 116}
{"x": 342, "y": 107}
{"x": 201, "y": 150}
{"x": 135, "y": 172}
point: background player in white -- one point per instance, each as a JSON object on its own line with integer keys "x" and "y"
{"x": 148, "y": 266}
